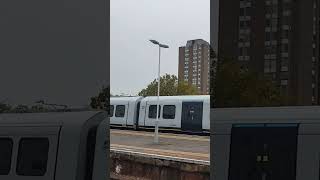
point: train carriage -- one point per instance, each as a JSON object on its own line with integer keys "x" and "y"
{"x": 54, "y": 146}
{"x": 123, "y": 110}
{"x": 186, "y": 113}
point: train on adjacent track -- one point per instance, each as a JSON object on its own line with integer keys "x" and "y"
{"x": 183, "y": 113}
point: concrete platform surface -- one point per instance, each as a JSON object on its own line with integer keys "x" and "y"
{"x": 177, "y": 147}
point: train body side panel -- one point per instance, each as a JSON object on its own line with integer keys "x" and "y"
{"x": 206, "y": 115}
{"x": 101, "y": 165}
{"x": 177, "y": 101}
{"x": 308, "y": 155}
{"x": 131, "y": 113}
{"x": 142, "y": 113}
{"x": 171, "y": 123}
{"x": 221, "y": 146}
{"x": 120, "y": 120}
{"x": 45, "y": 138}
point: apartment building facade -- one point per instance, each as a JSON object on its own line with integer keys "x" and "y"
{"x": 194, "y": 65}
{"x": 279, "y": 38}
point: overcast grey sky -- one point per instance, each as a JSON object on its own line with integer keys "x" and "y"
{"x": 134, "y": 60}
{"x": 52, "y": 50}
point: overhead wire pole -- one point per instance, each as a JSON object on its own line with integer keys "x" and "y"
{"x": 156, "y": 129}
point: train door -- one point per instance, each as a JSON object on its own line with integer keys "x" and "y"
{"x": 136, "y": 120}
{"x": 34, "y": 152}
{"x": 263, "y": 152}
{"x": 192, "y": 113}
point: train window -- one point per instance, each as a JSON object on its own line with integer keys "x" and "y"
{"x": 32, "y": 156}
{"x": 153, "y": 111}
{"x": 169, "y": 112}
{"x": 5, "y": 155}
{"x": 120, "y": 110}
{"x": 111, "y": 110}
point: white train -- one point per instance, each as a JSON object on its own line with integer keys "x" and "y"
{"x": 186, "y": 113}
{"x": 271, "y": 143}
{"x": 54, "y": 146}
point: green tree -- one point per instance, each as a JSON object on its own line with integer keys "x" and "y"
{"x": 169, "y": 86}
{"x": 5, "y": 108}
{"x": 184, "y": 88}
{"x": 237, "y": 87}
{"x": 21, "y": 109}
{"x": 38, "y": 108}
{"x": 101, "y": 101}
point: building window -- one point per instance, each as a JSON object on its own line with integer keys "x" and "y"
{"x": 153, "y": 111}
{"x": 273, "y": 56}
{"x": 284, "y": 64}
{"x": 243, "y": 51}
{"x": 120, "y": 110}
{"x": 284, "y": 47}
{"x": 270, "y": 66}
{"x": 267, "y": 66}
{"x": 274, "y": 22}
{"x": 284, "y": 82}
{"x": 286, "y": 13}
{"x": 270, "y": 50}
{"x": 285, "y": 27}
{"x": 273, "y": 66}
{"x": 267, "y": 29}
{"x": 275, "y": 15}
{"x": 169, "y": 112}
{"x": 242, "y": 13}
{"x": 32, "y": 156}
{"x": 284, "y": 68}
{"x": 5, "y": 155}
{"x": 285, "y": 34}
{"x": 285, "y": 41}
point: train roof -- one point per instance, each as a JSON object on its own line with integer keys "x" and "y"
{"x": 51, "y": 118}
{"x": 293, "y": 114}
{"x": 189, "y": 97}
{"x": 125, "y": 98}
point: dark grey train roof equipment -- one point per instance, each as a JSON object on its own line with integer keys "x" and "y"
{"x": 295, "y": 114}
{"x": 51, "y": 118}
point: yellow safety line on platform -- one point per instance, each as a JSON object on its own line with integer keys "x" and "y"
{"x": 160, "y": 151}
{"x": 205, "y": 139}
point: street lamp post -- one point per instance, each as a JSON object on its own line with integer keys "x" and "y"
{"x": 156, "y": 129}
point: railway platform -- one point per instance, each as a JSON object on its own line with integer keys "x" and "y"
{"x": 176, "y": 156}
